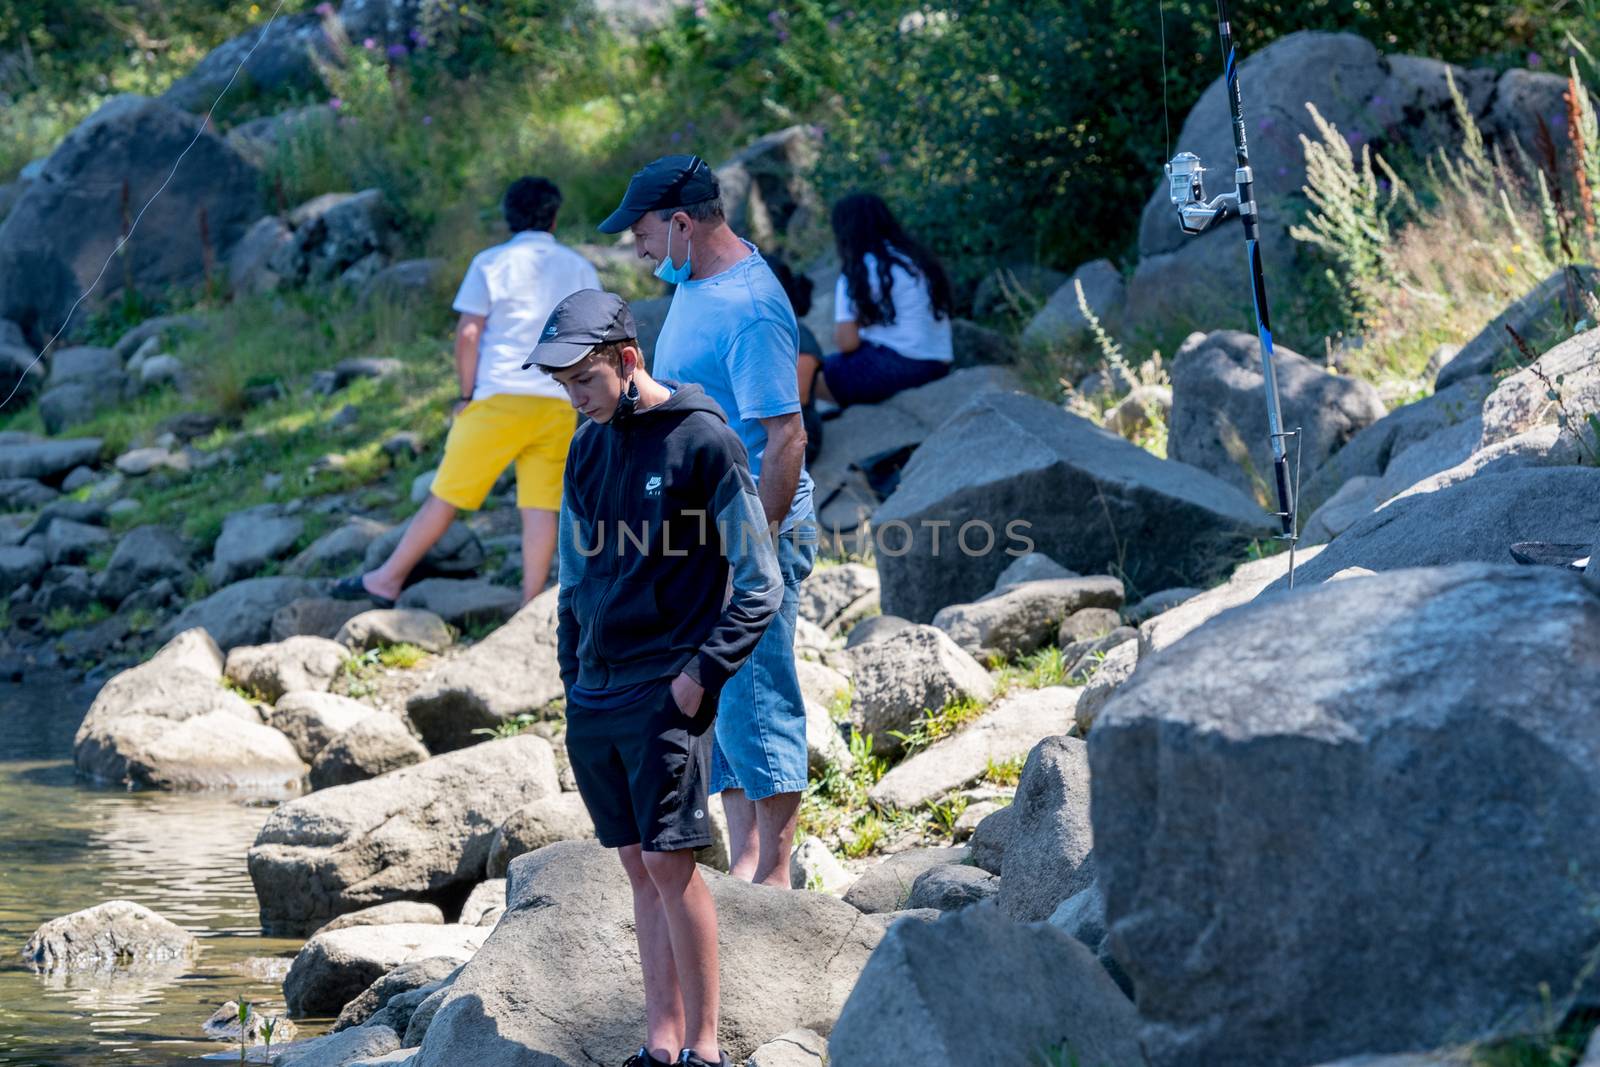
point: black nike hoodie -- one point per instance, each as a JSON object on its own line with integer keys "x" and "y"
{"x": 658, "y": 509}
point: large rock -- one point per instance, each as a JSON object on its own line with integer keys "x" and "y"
{"x": 1535, "y": 317}
{"x": 795, "y": 1048}
{"x": 1104, "y": 679}
{"x": 457, "y": 553}
{"x": 908, "y": 674}
{"x": 511, "y": 672}
{"x": 67, "y": 542}
{"x": 144, "y": 555}
{"x": 336, "y": 967}
{"x": 251, "y": 539}
{"x": 558, "y": 980}
{"x": 47, "y": 461}
{"x": 333, "y": 233}
{"x": 462, "y": 602}
{"x": 268, "y": 59}
{"x": 362, "y": 1046}
{"x": 1522, "y": 402}
{"x": 396, "y": 626}
{"x": 409, "y": 977}
{"x": 315, "y": 616}
{"x": 975, "y": 987}
{"x": 376, "y": 745}
{"x": 22, "y": 375}
{"x": 1018, "y": 474}
{"x": 312, "y": 719}
{"x": 337, "y": 550}
{"x": 950, "y": 886}
{"x": 294, "y": 665}
{"x": 830, "y": 591}
{"x": 241, "y": 613}
{"x": 421, "y": 832}
{"x": 1007, "y": 731}
{"x": 116, "y": 933}
{"x": 1475, "y": 520}
{"x": 250, "y": 270}
{"x": 886, "y": 886}
{"x": 1060, "y": 322}
{"x": 171, "y": 724}
{"x": 766, "y": 187}
{"x": 20, "y": 565}
{"x": 1433, "y": 743}
{"x": 1024, "y": 617}
{"x": 1219, "y": 412}
{"x": 562, "y": 817}
{"x": 1245, "y": 584}
{"x": 66, "y": 225}
{"x": 390, "y": 914}
{"x": 1047, "y": 852}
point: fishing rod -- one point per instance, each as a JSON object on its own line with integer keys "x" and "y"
{"x": 1196, "y": 215}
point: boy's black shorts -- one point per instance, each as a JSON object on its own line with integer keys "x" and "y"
{"x": 643, "y": 770}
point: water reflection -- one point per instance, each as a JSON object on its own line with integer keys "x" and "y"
{"x": 64, "y": 847}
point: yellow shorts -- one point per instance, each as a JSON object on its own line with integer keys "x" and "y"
{"x": 532, "y": 431}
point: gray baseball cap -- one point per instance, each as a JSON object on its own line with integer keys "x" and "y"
{"x": 587, "y": 318}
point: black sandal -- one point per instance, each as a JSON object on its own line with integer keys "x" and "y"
{"x": 351, "y": 589}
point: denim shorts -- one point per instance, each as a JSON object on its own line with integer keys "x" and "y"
{"x": 873, "y": 373}
{"x": 761, "y": 716}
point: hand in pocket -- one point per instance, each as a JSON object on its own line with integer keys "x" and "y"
{"x": 688, "y": 693}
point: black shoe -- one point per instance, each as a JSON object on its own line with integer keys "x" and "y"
{"x": 642, "y": 1058}
{"x": 352, "y": 589}
{"x": 687, "y": 1058}
{"x": 1545, "y": 554}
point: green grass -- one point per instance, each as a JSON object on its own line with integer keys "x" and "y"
{"x": 61, "y": 620}
{"x": 403, "y": 656}
{"x": 1006, "y": 773}
{"x": 933, "y": 726}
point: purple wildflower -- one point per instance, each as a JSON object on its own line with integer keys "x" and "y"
{"x": 369, "y": 44}
{"x": 774, "y": 17}
{"x": 325, "y": 10}
{"x": 336, "y": 103}
{"x": 397, "y": 51}
{"x": 783, "y": 35}
{"x": 677, "y": 135}
{"x": 427, "y": 120}
{"x": 1534, "y": 59}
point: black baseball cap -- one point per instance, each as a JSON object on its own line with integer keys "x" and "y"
{"x": 671, "y": 181}
{"x": 587, "y": 318}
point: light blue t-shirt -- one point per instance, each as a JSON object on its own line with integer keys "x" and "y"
{"x": 734, "y": 334}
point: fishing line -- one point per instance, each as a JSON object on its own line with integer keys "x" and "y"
{"x": 125, "y": 238}
{"x": 1166, "y": 114}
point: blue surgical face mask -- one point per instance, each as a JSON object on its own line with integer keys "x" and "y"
{"x": 666, "y": 271}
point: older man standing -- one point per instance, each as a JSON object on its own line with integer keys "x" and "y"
{"x": 732, "y": 331}
{"x": 503, "y": 413}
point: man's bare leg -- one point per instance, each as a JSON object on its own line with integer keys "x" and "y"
{"x": 538, "y": 549}
{"x": 692, "y": 925}
{"x": 422, "y": 533}
{"x": 760, "y": 836}
{"x": 663, "y": 1006}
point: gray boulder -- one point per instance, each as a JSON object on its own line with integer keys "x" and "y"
{"x": 74, "y": 403}
{"x": 974, "y": 987}
{"x": 84, "y": 363}
{"x": 1219, "y": 408}
{"x": 990, "y": 838}
{"x": 511, "y": 672}
{"x": 24, "y": 494}
{"x": 406, "y": 978}
{"x": 410, "y": 279}
{"x": 1030, "y": 567}
{"x": 66, "y": 224}
{"x": 143, "y": 556}
{"x": 457, "y": 553}
{"x": 396, "y": 626}
{"x": 950, "y": 886}
{"x": 1047, "y": 854}
{"x": 766, "y": 186}
{"x": 1104, "y": 678}
{"x": 312, "y": 719}
{"x": 1475, "y": 520}
{"x": 1026, "y": 616}
{"x": 1244, "y": 585}
{"x": 333, "y": 233}
{"x": 1007, "y": 731}
{"x": 67, "y": 542}
{"x": 251, "y": 539}
{"x": 169, "y": 723}
{"x": 348, "y": 1048}
{"x": 20, "y": 566}
{"x": 241, "y": 613}
{"x": 1060, "y": 321}
{"x": 280, "y": 60}
{"x": 158, "y": 329}
{"x": 376, "y": 745}
{"x": 1521, "y": 401}
{"x": 335, "y": 968}
{"x": 908, "y": 674}
{"x": 337, "y": 550}
{"x": 1234, "y": 848}
{"x": 886, "y": 886}
{"x": 561, "y": 817}
{"x": 1013, "y": 470}
{"x": 47, "y": 461}
{"x": 117, "y": 933}
{"x": 22, "y": 375}
{"x": 422, "y": 832}
{"x": 315, "y": 616}
{"x": 1535, "y": 317}
{"x": 294, "y": 665}
{"x": 250, "y": 270}
{"x": 485, "y": 904}
{"x": 557, "y": 980}
{"x": 796, "y": 1048}
{"x": 395, "y": 912}
{"x": 1083, "y": 917}
{"x": 463, "y": 602}
{"x": 830, "y": 591}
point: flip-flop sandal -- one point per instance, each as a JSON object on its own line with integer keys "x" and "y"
{"x": 352, "y": 589}
{"x": 1548, "y": 554}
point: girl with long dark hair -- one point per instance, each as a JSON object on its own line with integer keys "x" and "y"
{"x": 892, "y": 310}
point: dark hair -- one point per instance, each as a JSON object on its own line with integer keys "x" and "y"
{"x": 797, "y": 286}
{"x": 863, "y": 225}
{"x": 699, "y": 211}
{"x": 531, "y": 204}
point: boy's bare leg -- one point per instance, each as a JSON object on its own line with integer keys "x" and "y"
{"x": 663, "y": 1006}
{"x": 760, "y": 836}
{"x": 422, "y": 533}
{"x": 539, "y": 528}
{"x": 692, "y": 924}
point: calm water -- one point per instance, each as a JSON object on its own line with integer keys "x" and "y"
{"x": 64, "y": 847}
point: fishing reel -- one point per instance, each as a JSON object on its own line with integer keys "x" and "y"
{"x": 1186, "y": 186}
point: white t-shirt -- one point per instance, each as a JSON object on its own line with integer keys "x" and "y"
{"x": 915, "y": 333}
{"x": 515, "y": 286}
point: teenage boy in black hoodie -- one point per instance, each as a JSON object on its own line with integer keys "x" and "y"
{"x": 658, "y": 510}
